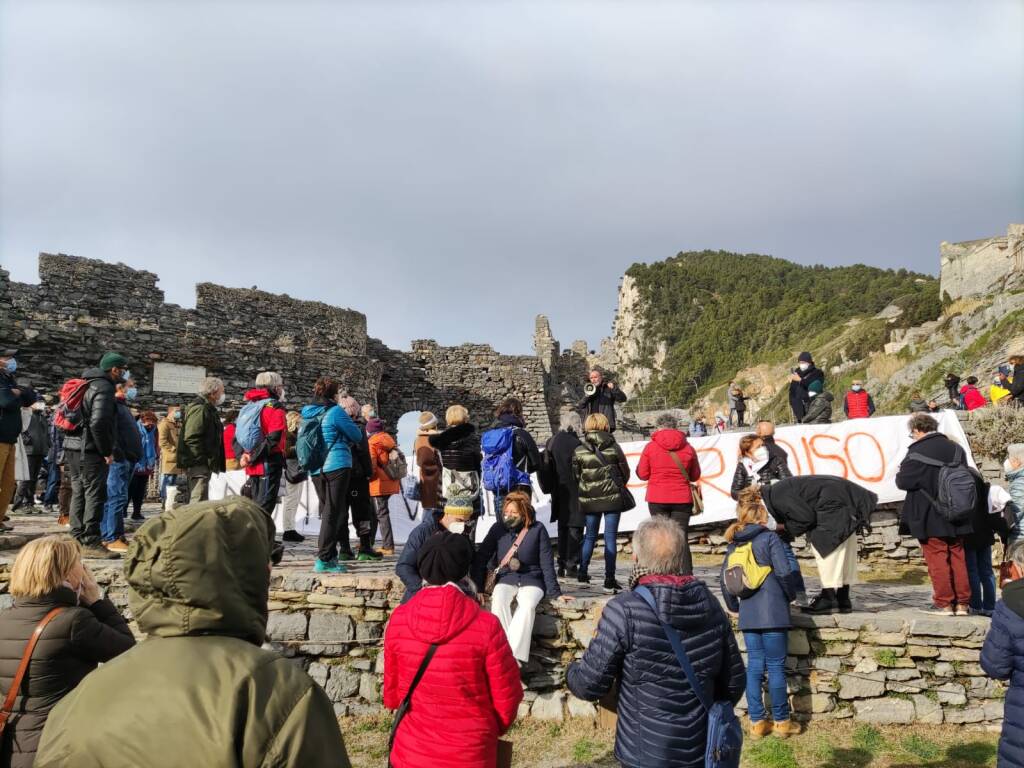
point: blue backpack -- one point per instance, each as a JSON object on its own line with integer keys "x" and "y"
{"x": 311, "y": 449}
{"x": 500, "y": 472}
{"x": 248, "y": 431}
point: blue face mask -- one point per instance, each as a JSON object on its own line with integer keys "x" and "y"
{"x": 131, "y": 393}
{"x": 11, "y": 366}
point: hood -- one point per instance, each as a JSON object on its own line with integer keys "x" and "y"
{"x": 96, "y": 373}
{"x": 669, "y": 439}
{"x": 202, "y": 569}
{"x": 1013, "y": 474}
{"x": 1013, "y": 596}
{"x": 451, "y": 435}
{"x": 600, "y": 440}
{"x": 748, "y": 532}
{"x": 688, "y": 606}
{"x": 437, "y": 614}
{"x": 510, "y": 420}
{"x": 312, "y": 410}
{"x": 259, "y": 393}
{"x": 918, "y": 401}
{"x": 827, "y": 396}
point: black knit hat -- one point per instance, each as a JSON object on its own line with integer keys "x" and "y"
{"x": 444, "y": 557}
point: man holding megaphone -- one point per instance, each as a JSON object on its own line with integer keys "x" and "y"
{"x": 600, "y": 396}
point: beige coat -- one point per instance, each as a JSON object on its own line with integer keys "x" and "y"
{"x": 167, "y": 432}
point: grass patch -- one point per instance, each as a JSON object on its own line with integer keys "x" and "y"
{"x": 869, "y": 739}
{"x": 584, "y": 750}
{"x": 887, "y": 658}
{"x": 769, "y": 753}
{"x": 921, "y": 747}
{"x": 973, "y": 753}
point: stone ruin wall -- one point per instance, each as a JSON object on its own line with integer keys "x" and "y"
{"x": 83, "y": 307}
{"x": 978, "y": 267}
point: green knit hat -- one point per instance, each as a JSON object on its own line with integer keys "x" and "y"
{"x": 113, "y": 360}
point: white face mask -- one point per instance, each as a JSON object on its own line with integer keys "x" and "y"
{"x": 457, "y": 527}
{"x": 855, "y": 387}
{"x": 37, "y": 406}
{"x": 812, "y": 394}
{"x": 761, "y": 454}
{"x": 804, "y": 366}
{"x": 281, "y": 396}
{"x": 221, "y": 398}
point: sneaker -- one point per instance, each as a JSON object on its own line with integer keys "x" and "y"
{"x": 117, "y": 545}
{"x": 582, "y": 578}
{"x": 369, "y": 554}
{"x": 292, "y": 536}
{"x": 99, "y": 552}
{"x": 936, "y": 611}
{"x": 962, "y": 610}
{"x": 611, "y": 586}
{"x": 386, "y": 551}
{"x": 345, "y": 556}
{"x": 786, "y": 728}
{"x": 760, "y": 729}
{"x": 333, "y": 566}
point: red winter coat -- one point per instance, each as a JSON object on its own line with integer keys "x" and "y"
{"x": 469, "y": 694}
{"x": 665, "y": 483}
{"x": 272, "y": 419}
{"x": 972, "y": 397}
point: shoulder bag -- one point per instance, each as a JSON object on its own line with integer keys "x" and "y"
{"x": 26, "y": 657}
{"x": 403, "y": 708}
{"x": 725, "y": 734}
{"x": 695, "y": 492}
{"x": 626, "y": 495}
{"x": 492, "y": 576}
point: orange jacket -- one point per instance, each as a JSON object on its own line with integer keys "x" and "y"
{"x": 381, "y": 445}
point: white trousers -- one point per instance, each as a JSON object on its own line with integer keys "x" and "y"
{"x": 518, "y": 626}
{"x": 291, "y": 504}
{"x": 839, "y": 569}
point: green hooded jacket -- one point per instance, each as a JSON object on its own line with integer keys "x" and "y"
{"x": 598, "y": 481}
{"x": 199, "y": 692}
{"x": 201, "y": 439}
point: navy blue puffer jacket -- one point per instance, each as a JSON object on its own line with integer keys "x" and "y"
{"x": 1002, "y": 658}
{"x": 661, "y": 721}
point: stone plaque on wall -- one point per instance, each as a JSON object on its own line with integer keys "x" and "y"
{"x": 171, "y": 377}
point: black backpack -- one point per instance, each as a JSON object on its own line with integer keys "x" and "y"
{"x": 957, "y": 487}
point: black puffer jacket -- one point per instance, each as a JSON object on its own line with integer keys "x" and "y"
{"x": 661, "y": 720}
{"x": 129, "y": 442}
{"x": 99, "y": 433}
{"x": 827, "y": 509}
{"x": 72, "y": 645}
{"x": 919, "y": 517}
{"x": 459, "y": 447}
{"x": 598, "y": 481}
{"x": 776, "y": 469}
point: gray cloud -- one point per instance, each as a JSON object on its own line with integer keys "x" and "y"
{"x": 452, "y": 169}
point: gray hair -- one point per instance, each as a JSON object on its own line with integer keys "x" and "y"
{"x": 269, "y": 379}
{"x": 209, "y": 385}
{"x": 571, "y": 420}
{"x": 659, "y": 544}
{"x": 922, "y": 422}
{"x": 666, "y": 421}
{"x": 1015, "y": 451}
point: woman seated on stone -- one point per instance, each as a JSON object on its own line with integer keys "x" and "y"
{"x": 48, "y": 575}
{"x": 601, "y": 472}
{"x": 521, "y": 550}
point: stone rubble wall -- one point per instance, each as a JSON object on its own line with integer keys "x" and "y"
{"x": 886, "y": 669}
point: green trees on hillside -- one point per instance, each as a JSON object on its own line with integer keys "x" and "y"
{"x": 719, "y": 311}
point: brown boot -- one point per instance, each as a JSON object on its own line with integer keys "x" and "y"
{"x": 786, "y": 728}
{"x": 760, "y": 729}
{"x": 63, "y": 520}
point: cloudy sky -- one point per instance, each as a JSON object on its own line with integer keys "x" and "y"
{"x": 453, "y": 169}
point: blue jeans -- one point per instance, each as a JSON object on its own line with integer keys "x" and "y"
{"x": 112, "y": 524}
{"x": 766, "y": 649}
{"x": 611, "y": 528}
{"x": 981, "y": 578}
{"x": 52, "y": 485}
{"x": 796, "y": 578}
{"x": 166, "y": 480}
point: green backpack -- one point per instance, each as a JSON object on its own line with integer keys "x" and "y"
{"x": 743, "y": 574}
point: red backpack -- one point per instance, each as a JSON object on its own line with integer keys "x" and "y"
{"x": 68, "y": 415}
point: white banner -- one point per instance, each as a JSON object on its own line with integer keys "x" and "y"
{"x": 865, "y": 451}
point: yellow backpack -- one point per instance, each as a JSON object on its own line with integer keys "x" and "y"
{"x": 743, "y": 574}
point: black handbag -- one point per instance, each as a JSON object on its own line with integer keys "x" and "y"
{"x": 625, "y": 495}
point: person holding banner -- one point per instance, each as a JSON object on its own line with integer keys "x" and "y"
{"x": 601, "y": 472}
{"x": 829, "y": 511}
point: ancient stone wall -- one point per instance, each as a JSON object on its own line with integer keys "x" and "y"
{"x": 978, "y": 267}
{"x": 84, "y": 307}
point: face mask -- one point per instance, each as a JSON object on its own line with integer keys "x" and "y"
{"x": 457, "y": 527}
{"x": 38, "y": 406}
{"x": 512, "y": 521}
{"x": 131, "y": 393}
{"x": 126, "y": 375}
{"x": 761, "y": 454}
{"x": 281, "y": 396}
{"x": 220, "y": 400}
{"x": 812, "y": 394}
{"x": 77, "y": 590}
{"x": 804, "y": 366}
{"x": 177, "y": 415}
{"x": 11, "y": 365}
{"x": 856, "y": 387}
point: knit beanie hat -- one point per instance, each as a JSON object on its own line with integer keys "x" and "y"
{"x": 460, "y": 507}
{"x": 805, "y": 357}
{"x": 428, "y": 421}
{"x": 113, "y": 360}
{"x": 815, "y": 387}
{"x": 374, "y": 425}
{"x": 444, "y": 557}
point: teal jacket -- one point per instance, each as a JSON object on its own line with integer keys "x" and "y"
{"x": 340, "y": 433}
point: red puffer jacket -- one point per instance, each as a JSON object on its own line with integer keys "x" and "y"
{"x": 665, "y": 483}
{"x": 469, "y": 694}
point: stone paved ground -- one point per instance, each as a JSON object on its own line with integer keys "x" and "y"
{"x": 894, "y": 599}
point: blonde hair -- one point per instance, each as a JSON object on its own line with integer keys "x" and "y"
{"x": 456, "y": 414}
{"x": 521, "y": 501}
{"x": 596, "y": 422}
{"x": 292, "y": 419}
{"x": 749, "y": 510}
{"x": 43, "y": 565}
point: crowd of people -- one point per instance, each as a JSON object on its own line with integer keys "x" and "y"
{"x": 457, "y": 646}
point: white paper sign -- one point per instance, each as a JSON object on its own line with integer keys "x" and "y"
{"x": 171, "y": 377}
